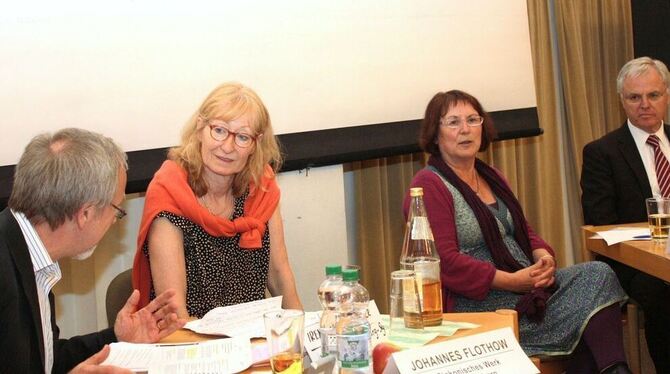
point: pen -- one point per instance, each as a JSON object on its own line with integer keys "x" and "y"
{"x": 174, "y": 344}
{"x": 642, "y": 237}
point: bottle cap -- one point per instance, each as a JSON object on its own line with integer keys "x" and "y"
{"x": 350, "y": 275}
{"x": 333, "y": 269}
{"x": 416, "y": 191}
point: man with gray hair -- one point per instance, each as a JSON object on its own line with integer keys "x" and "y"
{"x": 68, "y": 188}
{"x": 620, "y": 171}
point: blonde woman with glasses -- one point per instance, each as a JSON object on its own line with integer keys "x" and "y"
{"x": 212, "y": 227}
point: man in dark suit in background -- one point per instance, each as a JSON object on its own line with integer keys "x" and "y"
{"x": 67, "y": 192}
{"x": 619, "y": 173}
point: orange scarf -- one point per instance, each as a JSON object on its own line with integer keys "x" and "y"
{"x": 169, "y": 191}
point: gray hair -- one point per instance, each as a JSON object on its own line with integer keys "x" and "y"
{"x": 635, "y": 68}
{"x": 57, "y": 174}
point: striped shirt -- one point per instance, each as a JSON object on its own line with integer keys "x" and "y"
{"x": 647, "y": 153}
{"x": 47, "y": 274}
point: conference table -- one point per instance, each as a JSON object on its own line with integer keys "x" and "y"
{"x": 648, "y": 256}
{"x": 487, "y": 321}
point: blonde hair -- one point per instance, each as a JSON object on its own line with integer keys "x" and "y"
{"x": 228, "y": 102}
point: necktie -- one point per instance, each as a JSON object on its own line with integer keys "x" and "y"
{"x": 662, "y": 166}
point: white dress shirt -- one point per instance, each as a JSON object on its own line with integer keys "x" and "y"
{"x": 47, "y": 274}
{"x": 646, "y": 151}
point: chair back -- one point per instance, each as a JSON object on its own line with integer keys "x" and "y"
{"x": 118, "y": 292}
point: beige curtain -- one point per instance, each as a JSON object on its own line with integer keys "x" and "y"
{"x": 595, "y": 39}
{"x": 380, "y": 187}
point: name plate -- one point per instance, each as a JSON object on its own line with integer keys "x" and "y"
{"x": 312, "y": 339}
{"x": 494, "y": 351}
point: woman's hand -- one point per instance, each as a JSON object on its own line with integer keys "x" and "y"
{"x": 544, "y": 275}
{"x": 538, "y": 275}
{"x": 519, "y": 281}
{"x": 524, "y": 280}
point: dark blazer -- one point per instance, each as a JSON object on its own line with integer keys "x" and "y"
{"x": 21, "y": 341}
{"x": 614, "y": 182}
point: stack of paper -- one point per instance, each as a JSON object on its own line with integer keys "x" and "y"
{"x": 622, "y": 234}
{"x": 230, "y": 355}
{"x": 236, "y": 320}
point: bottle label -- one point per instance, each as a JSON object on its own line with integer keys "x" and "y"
{"x": 328, "y": 341}
{"x": 352, "y": 351}
{"x": 421, "y": 229}
{"x": 411, "y": 296}
{"x": 426, "y": 269}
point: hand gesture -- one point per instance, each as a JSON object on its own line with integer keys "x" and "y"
{"x": 523, "y": 280}
{"x": 92, "y": 365}
{"x": 544, "y": 273}
{"x": 150, "y": 324}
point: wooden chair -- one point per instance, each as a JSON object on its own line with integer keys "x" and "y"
{"x": 551, "y": 365}
{"x": 118, "y": 292}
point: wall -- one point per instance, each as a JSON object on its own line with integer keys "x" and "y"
{"x": 136, "y": 70}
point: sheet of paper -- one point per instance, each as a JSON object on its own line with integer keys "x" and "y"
{"x": 236, "y": 320}
{"x": 378, "y": 330}
{"x": 229, "y": 355}
{"x": 622, "y": 234}
{"x": 312, "y": 339}
{"x": 411, "y": 338}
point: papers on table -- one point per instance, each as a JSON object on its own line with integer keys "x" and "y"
{"x": 236, "y": 320}
{"x": 230, "y": 355}
{"x": 622, "y": 234}
{"x": 411, "y": 338}
{"x": 241, "y": 322}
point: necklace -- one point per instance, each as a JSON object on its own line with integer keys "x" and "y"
{"x": 209, "y": 209}
{"x": 476, "y": 182}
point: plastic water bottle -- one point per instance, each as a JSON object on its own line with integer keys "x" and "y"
{"x": 353, "y": 328}
{"x": 360, "y": 295}
{"x": 419, "y": 254}
{"x": 329, "y": 304}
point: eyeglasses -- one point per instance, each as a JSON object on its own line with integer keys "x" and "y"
{"x": 220, "y": 133}
{"x": 456, "y": 123}
{"x": 120, "y": 213}
{"x": 637, "y": 98}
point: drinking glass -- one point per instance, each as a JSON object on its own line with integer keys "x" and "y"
{"x": 405, "y": 305}
{"x": 658, "y": 213}
{"x": 352, "y": 266}
{"x": 284, "y": 330}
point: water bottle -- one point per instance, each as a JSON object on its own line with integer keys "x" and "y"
{"x": 327, "y": 297}
{"x": 419, "y": 255}
{"x": 352, "y": 328}
{"x": 360, "y": 295}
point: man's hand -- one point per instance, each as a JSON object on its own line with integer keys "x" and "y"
{"x": 150, "y": 324}
{"x": 92, "y": 365}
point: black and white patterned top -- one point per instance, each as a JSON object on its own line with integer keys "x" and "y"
{"x": 218, "y": 271}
